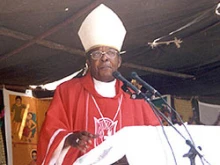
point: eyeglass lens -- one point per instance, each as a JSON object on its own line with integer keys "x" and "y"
{"x": 109, "y": 54}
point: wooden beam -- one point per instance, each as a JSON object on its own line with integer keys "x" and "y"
{"x": 56, "y": 46}
{"x": 53, "y": 29}
{"x": 17, "y": 88}
{"x": 49, "y": 44}
{"x": 157, "y": 71}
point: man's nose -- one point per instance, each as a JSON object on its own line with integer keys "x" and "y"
{"x": 104, "y": 57}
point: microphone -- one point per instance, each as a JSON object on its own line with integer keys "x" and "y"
{"x": 118, "y": 76}
{"x": 135, "y": 76}
{"x": 133, "y": 95}
{"x": 125, "y": 89}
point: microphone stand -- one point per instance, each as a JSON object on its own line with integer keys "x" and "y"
{"x": 193, "y": 152}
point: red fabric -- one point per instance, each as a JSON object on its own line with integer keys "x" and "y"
{"x": 68, "y": 111}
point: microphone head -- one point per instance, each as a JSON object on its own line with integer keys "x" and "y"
{"x": 116, "y": 74}
{"x": 134, "y": 74}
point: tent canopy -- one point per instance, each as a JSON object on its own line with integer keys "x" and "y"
{"x": 173, "y": 45}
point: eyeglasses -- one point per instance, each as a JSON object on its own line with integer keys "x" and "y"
{"x": 98, "y": 54}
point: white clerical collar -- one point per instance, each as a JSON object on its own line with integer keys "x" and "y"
{"x": 105, "y": 89}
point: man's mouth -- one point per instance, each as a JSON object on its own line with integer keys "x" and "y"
{"x": 105, "y": 67}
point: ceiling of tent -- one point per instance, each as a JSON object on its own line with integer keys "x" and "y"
{"x": 173, "y": 45}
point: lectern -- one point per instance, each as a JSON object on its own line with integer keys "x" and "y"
{"x": 148, "y": 145}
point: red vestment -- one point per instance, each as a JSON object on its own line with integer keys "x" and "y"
{"x": 73, "y": 109}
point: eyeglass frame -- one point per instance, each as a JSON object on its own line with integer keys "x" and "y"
{"x": 103, "y": 53}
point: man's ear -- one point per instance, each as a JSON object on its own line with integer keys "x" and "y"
{"x": 87, "y": 62}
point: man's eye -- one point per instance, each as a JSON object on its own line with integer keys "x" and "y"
{"x": 97, "y": 53}
{"x": 111, "y": 53}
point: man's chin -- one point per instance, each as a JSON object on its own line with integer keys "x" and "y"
{"x": 107, "y": 77}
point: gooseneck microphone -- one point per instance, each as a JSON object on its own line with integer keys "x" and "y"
{"x": 193, "y": 150}
{"x": 135, "y": 76}
{"x": 118, "y": 76}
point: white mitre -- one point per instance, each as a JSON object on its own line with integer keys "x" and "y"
{"x": 102, "y": 27}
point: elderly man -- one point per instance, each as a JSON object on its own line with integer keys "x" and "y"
{"x": 86, "y": 110}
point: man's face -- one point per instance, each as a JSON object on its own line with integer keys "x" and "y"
{"x": 29, "y": 116}
{"x": 18, "y": 101}
{"x": 102, "y": 68}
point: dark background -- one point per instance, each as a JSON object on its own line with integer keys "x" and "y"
{"x": 39, "y": 42}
